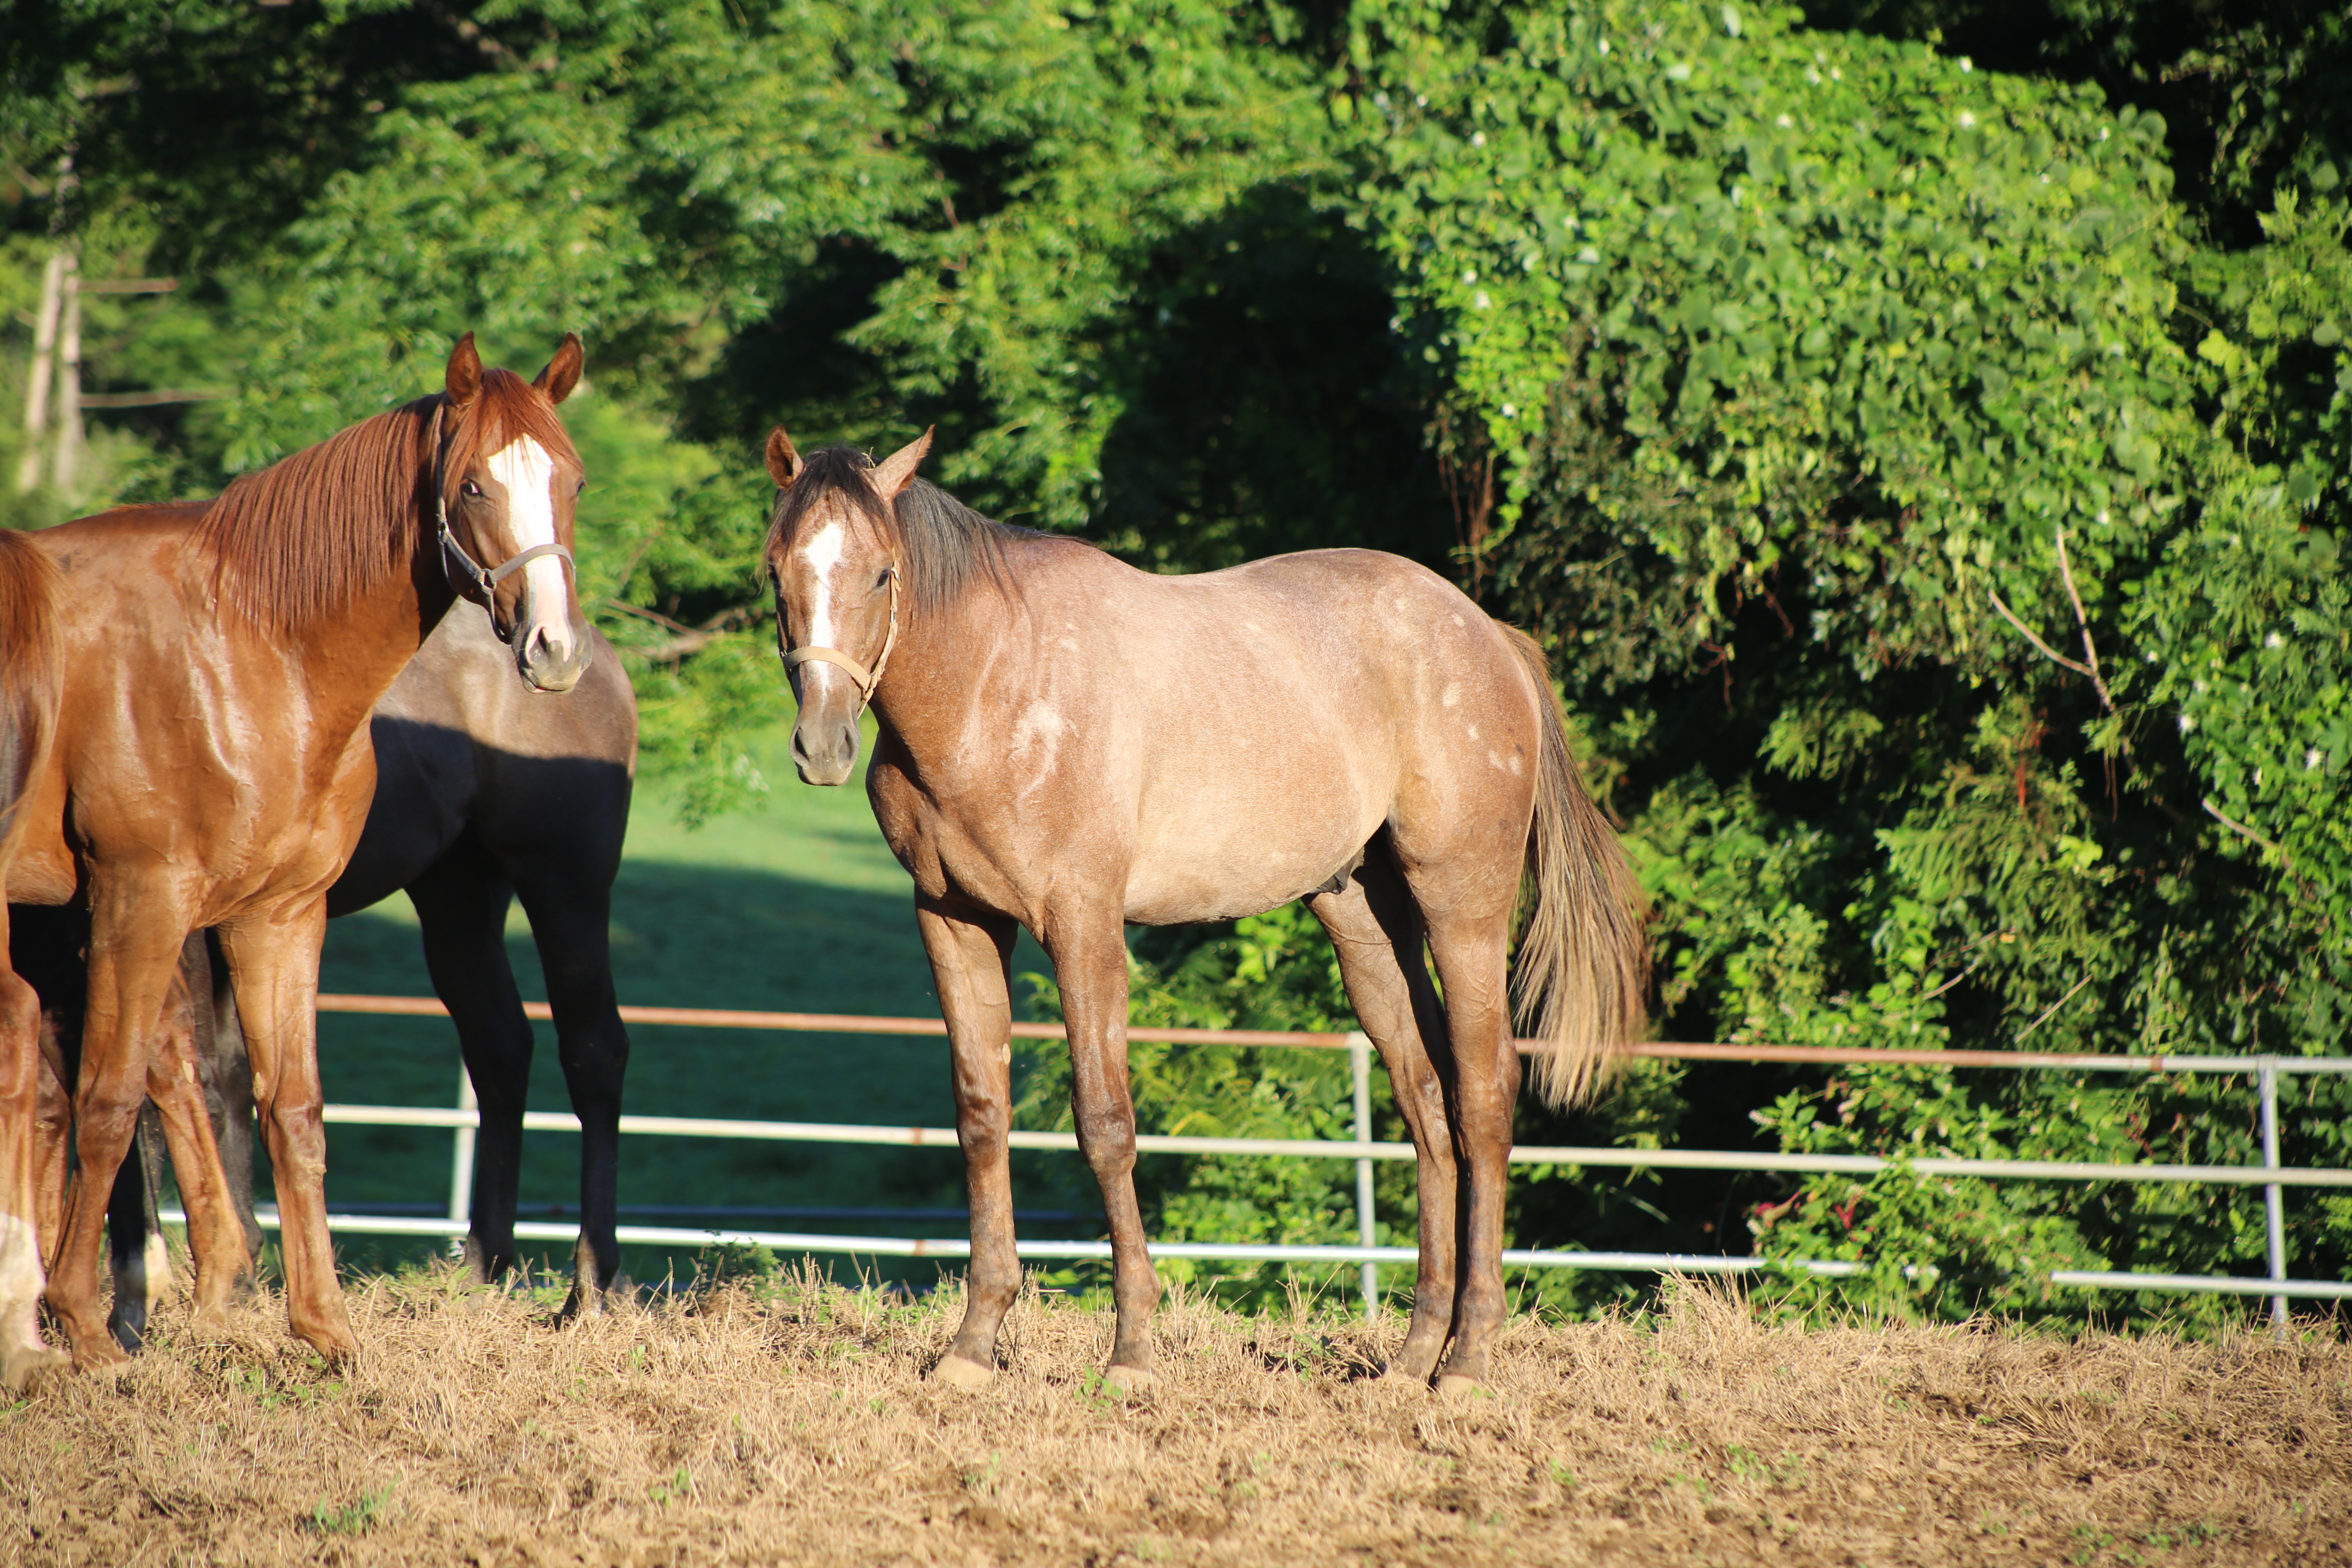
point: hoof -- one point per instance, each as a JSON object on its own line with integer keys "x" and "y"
{"x": 1130, "y": 1381}
{"x": 209, "y": 1325}
{"x": 100, "y": 1354}
{"x": 28, "y": 1369}
{"x": 958, "y": 1371}
{"x": 1456, "y": 1385}
{"x": 339, "y": 1349}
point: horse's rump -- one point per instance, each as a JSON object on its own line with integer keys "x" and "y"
{"x": 29, "y": 661}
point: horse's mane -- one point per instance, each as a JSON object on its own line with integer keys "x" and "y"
{"x": 297, "y": 541}
{"x": 945, "y": 543}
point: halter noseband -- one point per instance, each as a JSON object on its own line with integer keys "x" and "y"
{"x": 867, "y": 680}
{"x": 457, "y": 567}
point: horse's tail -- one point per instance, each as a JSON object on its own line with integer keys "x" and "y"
{"x": 1583, "y": 969}
{"x": 29, "y": 661}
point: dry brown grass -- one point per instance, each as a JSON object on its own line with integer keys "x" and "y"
{"x": 797, "y": 1427}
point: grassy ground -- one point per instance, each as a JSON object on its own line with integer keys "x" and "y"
{"x": 775, "y": 1419}
{"x": 794, "y": 906}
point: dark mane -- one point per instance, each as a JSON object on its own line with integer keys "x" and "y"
{"x": 299, "y": 541}
{"x": 944, "y": 543}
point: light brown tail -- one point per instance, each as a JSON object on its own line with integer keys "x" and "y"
{"x": 29, "y": 658}
{"x": 1583, "y": 972}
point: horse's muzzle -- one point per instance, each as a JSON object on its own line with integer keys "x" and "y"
{"x": 825, "y": 751}
{"x": 549, "y": 665}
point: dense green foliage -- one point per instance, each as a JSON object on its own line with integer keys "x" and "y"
{"x": 1925, "y": 459}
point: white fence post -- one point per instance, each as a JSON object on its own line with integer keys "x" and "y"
{"x": 2274, "y": 1196}
{"x": 1359, "y": 1068}
{"x": 461, "y": 1163}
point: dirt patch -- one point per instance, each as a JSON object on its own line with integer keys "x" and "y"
{"x": 791, "y": 1424}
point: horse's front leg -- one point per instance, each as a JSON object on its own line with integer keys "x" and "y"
{"x": 134, "y": 952}
{"x": 273, "y": 965}
{"x": 972, "y": 958}
{"x": 1090, "y": 962}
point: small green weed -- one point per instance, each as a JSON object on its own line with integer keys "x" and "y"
{"x": 355, "y": 1518}
{"x": 681, "y": 1485}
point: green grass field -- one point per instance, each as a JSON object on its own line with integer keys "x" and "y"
{"x": 794, "y": 906}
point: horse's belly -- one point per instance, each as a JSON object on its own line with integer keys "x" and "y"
{"x": 1226, "y": 874}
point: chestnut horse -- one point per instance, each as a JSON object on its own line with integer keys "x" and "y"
{"x": 1069, "y": 744}
{"x": 211, "y": 768}
{"x": 482, "y": 795}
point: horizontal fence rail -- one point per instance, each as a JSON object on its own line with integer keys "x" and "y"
{"x": 2270, "y": 1175}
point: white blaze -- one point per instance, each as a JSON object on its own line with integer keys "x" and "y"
{"x": 820, "y": 555}
{"x": 527, "y": 471}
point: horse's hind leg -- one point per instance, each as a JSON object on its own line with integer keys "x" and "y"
{"x": 228, "y": 1075}
{"x": 570, "y": 908}
{"x": 461, "y": 912}
{"x": 971, "y": 957}
{"x": 134, "y": 1235}
{"x": 1472, "y": 950}
{"x": 1377, "y": 932}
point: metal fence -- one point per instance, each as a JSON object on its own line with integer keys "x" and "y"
{"x": 2264, "y": 1072}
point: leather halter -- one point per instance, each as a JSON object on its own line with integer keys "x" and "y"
{"x": 867, "y": 680}
{"x": 461, "y": 570}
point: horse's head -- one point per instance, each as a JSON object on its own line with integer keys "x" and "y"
{"x": 836, "y": 549}
{"x": 508, "y": 480}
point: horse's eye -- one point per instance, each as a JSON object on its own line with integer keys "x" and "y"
{"x": 882, "y": 580}
{"x": 472, "y": 488}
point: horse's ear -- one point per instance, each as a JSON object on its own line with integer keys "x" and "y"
{"x": 464, "y": 382}
{"x": 563, "y": 372}
{"x": 896, "y": 471}
{"x": 783, "y": 463}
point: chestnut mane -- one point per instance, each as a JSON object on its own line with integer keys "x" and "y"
{"x": 299, "y": 541}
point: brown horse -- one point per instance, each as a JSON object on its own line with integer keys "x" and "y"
{"x": 211, "y": 768}
{"x": 1071, "y": 744}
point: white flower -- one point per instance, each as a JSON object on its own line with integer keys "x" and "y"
{"x": 1477, "y": 139}
{"x": 2103, "y": 517}
{"x": 2311, "y": 759}
{"x": 1967, "y": 120}
{"x": 1604, "y": 46}
{"x": 1782, "y": 120}
{"x": 2275, "y": 640}
{"x": 1469, "y": 275}
{"x": 1510, "y": 410}
{"x": 1484, "y": 303}
{"x": 2187, "y": 723}
{"x": 1967, "y": 63}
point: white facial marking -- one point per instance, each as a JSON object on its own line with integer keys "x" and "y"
{"x": 527, "y": 471}
{"x": 820, "y": 555}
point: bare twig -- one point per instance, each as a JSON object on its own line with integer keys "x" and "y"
{"x": 2243, "y": 831}
{"x": 2047, "y": 651}
{"x": 1955, "y": 980}
{"x": 2090, "y": 649}
{"x": 2053, "y": 1009}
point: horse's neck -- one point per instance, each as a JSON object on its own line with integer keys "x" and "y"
{"x": 350, "y": 660}
{"x": 925, "y": 699}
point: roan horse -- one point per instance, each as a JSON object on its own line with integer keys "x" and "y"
{"x": 211, "y": 769}
{"x": 1070, "y": 744}
{"x": 482, "y": 794}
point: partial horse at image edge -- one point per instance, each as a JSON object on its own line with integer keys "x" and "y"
{"x": 29, "y": 660}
